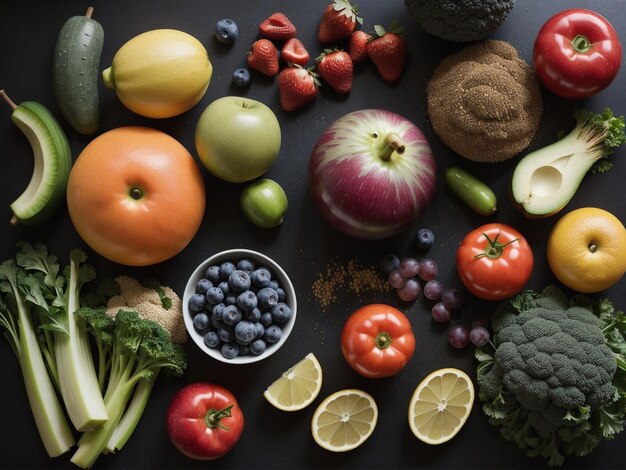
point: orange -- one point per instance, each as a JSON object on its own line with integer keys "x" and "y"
{"x": 136, "y": 196}
{"x": 587, "y": 250}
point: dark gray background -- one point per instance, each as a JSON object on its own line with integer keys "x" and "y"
{"x": 304, "y": 245}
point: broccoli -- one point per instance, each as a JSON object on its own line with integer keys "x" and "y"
{"x": 459, "y": 20}
{"x": 556, "y": 381}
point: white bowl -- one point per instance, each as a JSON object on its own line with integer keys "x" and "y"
{"x": 234, "y": 256}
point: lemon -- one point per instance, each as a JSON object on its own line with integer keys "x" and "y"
{"x": 160, "y": 73}
{"x": 440, "y": 405}
{"x": 344, "y": 420}
{"x": 298, "y": 386}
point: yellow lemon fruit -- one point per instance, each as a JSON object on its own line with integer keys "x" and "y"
{"x": 344, "y": 420}
{"x": 587, "y": 250}
{"x": 160, "y": 73}
{"x": 296, "y": 388}
{"x": 440, "y": 405}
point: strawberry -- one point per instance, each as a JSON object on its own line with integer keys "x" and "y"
{"x": 338, "y": 21}
{"x": 297, "y": 86}
{"x": 263, "y": 56}
{"x": 357, "y": 47}
{"x": 335, "y": 67}
{"x": 294, "y": 52}
{"x": 388, "y": 51}
{"x": 277, "y": 27}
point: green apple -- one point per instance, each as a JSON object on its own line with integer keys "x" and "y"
{"x": 264, "y": 203}
{"x": 237, "y": 138}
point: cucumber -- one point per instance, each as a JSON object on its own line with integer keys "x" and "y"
{"x": 471, "y": 190}
{"x": 75, "y": 72}
{"x": 53, "y": 161}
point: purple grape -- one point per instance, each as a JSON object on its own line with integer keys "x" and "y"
{"x": 389, "y": 263}
{"x": 440, "y": 313}
{"x": 479, "y": 336}
{"x": 452, "y": 298}
{"x": 480, "y": 320}
{"x": 410, "y": 290}
{"x": 433, "y": 289}
{"x": 409, "y": 267}
{"x": 396, "y": 279}
{"x": 459, "y": 336}
{"x": 428, "y": 269}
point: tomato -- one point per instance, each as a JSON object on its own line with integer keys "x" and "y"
{"x": 577, "y": 53}
{"x": 377, "y": 340}
{"x": 494, "y": 261}
{"x": 204, "y": 421}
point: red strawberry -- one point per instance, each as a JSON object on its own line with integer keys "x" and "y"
{"x": 263, "y": 56}
{"x": 338, "y": 21}
{"x": 335, "y": 67}
{"x": 388, "y": 51}
{"x": 277, "y": 27}
{"x": 357, "y": 47}
{"x": 294, "y": 52}
{"x": 297, "y": 86}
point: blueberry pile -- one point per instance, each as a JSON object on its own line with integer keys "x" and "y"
{"x": 239, "y": 308}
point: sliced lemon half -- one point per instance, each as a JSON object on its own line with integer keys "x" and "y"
{"x": 440, "y": 405}
{"x": 297, "y": 387}
{"x": 344, "y": 420}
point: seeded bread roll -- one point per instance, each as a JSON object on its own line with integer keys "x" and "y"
{"x": 484, "y": 102}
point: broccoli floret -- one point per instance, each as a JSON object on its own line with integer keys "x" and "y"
{"x": 459, "y": 20}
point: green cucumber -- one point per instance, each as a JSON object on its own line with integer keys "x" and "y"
{"x": 53, "y": 161}
{"x": 473, "y": 192}
{"x": 75, "y": 72}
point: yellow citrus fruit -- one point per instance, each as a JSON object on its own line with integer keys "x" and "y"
{"x": 344, "y": 420}
{"x": 297, "y": 387}
{"x": 160, "y": 73}
{"x": 587, "y": 250}
{"x": 440, "y": 405}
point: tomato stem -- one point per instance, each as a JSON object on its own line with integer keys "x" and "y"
{"x": 494, "y": 247}
{"x": 383, "y": 340}
{"x": 581, "y": 44}
{"x": 213, "y": 417}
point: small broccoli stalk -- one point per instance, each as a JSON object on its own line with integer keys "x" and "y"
{"x": 20, "y": 331}
{"x": 139, "y": 351}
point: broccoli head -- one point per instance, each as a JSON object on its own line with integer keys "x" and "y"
{"x": 459, "y": 20}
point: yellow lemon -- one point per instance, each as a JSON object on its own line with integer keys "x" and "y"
{"x": 160, "y": 73}
{"x": 587, "y": 250}
{"x": 296, "y": 388}
{"x": 440, "y": 405}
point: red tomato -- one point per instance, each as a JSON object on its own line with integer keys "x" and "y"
{"x": 577, "y": 53}
{"x": 377, "y": 340}
{"x": 494, "y": 261}
{"x": 204, "y": 421}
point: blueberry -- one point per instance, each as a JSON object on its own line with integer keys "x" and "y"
{"x": 201, "y": 321}
{"x": 211, "y": 339}
{"x": 274, "y": 284}
{"x": 389, "y": 263}
{"x": 260, "y": 278}
{"x": 239, "y": 280}
{"x": 217, "y": 311}
{"x": 197, "y": 302}
{"x": 253, "y": 315}
{"x": 258, "y": 347}
{"x": 260, "y": 330}
{"x": 424, "y": 238}
{"x": 281, "y": 294}
{"x": 230, "y": 350}
{"x": 226, "y": 31}
{"x": 244, "y": 350}
{"x": 226, "y": 333}
{"x": 214, "y": 295}
{"x": 226, "y": 269}
{"x": 245, "y": 332}
{"x": 246, "y": 265}
{"x": 224, "y": 287}
{"x": 281, "y": 312}
{"x": 230, "y": 299}
{"x": 215, "y": 323}
{"x": 203, "y": 285}
{"x": 266, "y": 319}
{"x": 267, "y": 297}
{"x": 272, "y": 334}
{"x": 231, "y": 315}
{"x": 247, "y": 301}
{"x": 213, "y": 274}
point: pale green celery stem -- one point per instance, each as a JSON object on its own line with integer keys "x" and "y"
{"x": 77, "y": 375}
{"x": 53, "y": 428}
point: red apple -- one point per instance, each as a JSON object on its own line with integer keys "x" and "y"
{"x": 372, "y": 173}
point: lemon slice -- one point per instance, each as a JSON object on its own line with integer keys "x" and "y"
{"x": 297, "y": 387}
{"x": 440, "y": 405}
{"x": 344, "y": 420}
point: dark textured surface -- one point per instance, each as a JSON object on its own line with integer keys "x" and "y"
{"x": 303, "y": 245}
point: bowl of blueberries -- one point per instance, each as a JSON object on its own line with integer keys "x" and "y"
{"x": 239, "y": 306}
